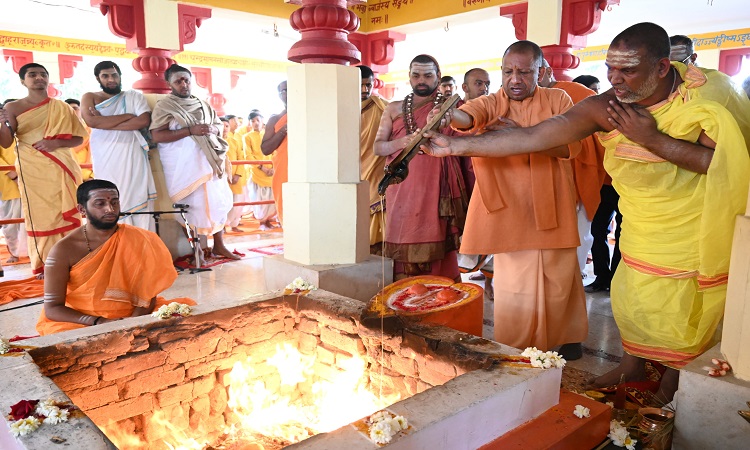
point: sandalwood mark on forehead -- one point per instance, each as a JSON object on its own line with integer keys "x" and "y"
{"x": 620, "y": 58}
{"x": 423, "y": 67}
{"x": 679, "y": 52}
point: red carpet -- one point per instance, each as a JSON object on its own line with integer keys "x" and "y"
{"x": 275, "y": 249}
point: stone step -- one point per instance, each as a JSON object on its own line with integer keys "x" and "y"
{"x": 558, "y": 428}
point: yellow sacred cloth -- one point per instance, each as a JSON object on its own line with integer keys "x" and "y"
{"x": 237, "y": 153}
{"x": 371, "y": 165}
{"x": 127, "y": 271}
{"x": 51, "y": 178}
{"x": 251, "y": 141}
{"x": 8, "y": 188}
{"x": 82, "y": 154}
{"x": 668, "y": 297}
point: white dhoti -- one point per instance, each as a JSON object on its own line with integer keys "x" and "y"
{"x": 584, "y": 234}
{"x": 191, "y": 180}
{"x": 235, "y": 215}
{"x": 257, "y": 193}
{"x": 11, "y": 209}
{"x": 122, "y": 158}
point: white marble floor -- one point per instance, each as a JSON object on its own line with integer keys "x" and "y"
{"x": 244, "y": 278}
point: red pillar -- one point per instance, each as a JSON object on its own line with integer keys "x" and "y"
{"x": 378, "y": 50}
{"x": 127, "y": 20}
{"x": 324, "y": 26}
{"x": 579, "y": 18}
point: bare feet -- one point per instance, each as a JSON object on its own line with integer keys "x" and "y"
{"x": 12, "y": 259}
{"x": 236, "y": 230}
{"x": 668, "y": 385}
{"x": 40, "y": 276}
{"x": 223, "y": 251}
{"x": 631, "y": 368}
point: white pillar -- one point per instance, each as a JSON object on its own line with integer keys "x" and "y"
{"x": 543, "y": 25}
{"x": 326, "y": 211}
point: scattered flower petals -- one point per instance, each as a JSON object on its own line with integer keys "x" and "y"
{"x": 4, "y": 346}
{"x": 543, "y": 360}
{"x": 23, "y": 409}
{"x": 581, "y": 412}
{"x": 384, "y": 425}
{"x": 620, "y": 436}
{"x": 25, "y": 426}
{"x": 299, "y": 285}
{"x": 173, "y": 309}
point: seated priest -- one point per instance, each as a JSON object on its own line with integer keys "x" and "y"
{"x": 104, "y": 270}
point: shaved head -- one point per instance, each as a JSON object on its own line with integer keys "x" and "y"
{"x": 649, "y": 36}
{"x": 527, "y": 47}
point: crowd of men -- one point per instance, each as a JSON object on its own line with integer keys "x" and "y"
{"x": 525, "y": 180}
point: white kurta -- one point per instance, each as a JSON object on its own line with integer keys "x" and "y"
{"x": 121, "y": 156}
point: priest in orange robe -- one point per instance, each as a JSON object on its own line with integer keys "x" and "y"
{"x": 103, "y": 271}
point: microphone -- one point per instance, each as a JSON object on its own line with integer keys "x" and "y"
{"x": 180, "y": 206}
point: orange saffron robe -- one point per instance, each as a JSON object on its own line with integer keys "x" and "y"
{"x": 280, "y": 168}
{"x": 122, "y": 274}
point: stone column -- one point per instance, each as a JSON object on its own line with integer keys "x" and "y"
{"x": 558, "y": 26}
{"x": 326, "y": 206}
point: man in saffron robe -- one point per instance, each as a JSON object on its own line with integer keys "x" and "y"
{"x": 103, "y": 271}
{"x": 118, "y": 149}
{"x": 261, "y": 177}
{"x": 193, "y": 155}
{"x": 588, "y": 166}
{"x": 370, "y": 164}
{"x": 46, "y": 130}
{"x": 275, "y": 143}
{"x": 679, "y": 161}
{"x": 426, "y": 211}
{"x": 524, "y": 213}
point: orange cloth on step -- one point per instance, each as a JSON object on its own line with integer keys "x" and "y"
{"x": 124, "y": 273}
{"x": 15, "y": 289}
{"x": 280, "y": 168}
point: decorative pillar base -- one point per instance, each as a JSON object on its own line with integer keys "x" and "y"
{"x": 562, "y": 60}
{"x": 151, "y": 63}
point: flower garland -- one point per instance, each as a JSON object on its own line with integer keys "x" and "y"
{"x": 620, "y": 436}
{"x": 543, "y": 360}
{"x": 28, "y": 415}
{"x": 299, "y": 285}
{"x": 407, "y": 108}
{"x": 173, "y": 309}
{"x": 383, "y": 425}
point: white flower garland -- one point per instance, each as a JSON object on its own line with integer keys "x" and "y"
{"x": 620, "y": 436}
{"x": 384, "y": 425}
{"x": 172, "y": 309}
{"x": 4, "y": 346}
{"x": 300, "y": 285}
{"x": 581, "y": 412}
{"x": 52, "y": 415}
{"x": 543, "y": 360}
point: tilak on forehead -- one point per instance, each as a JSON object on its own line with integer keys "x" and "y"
{"x": 679, "y": 52}
{"x": 176, "y": 75}
{"x": 623, "y": 58}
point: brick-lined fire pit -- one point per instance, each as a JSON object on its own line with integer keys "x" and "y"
{"x": 145, "y": 381}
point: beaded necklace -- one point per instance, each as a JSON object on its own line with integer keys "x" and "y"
{"x": 407, "y": 108}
